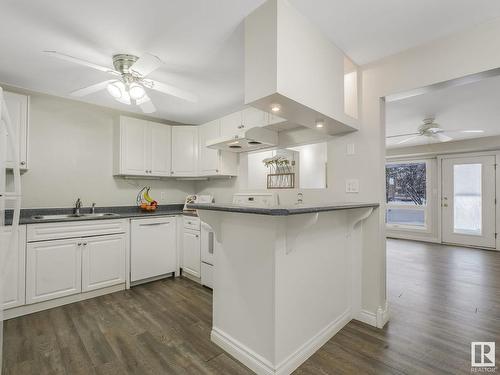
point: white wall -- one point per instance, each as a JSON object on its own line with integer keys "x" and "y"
{"x": 71, "y": 156}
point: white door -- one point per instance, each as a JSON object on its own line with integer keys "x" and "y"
{"x": 13, "y": 280}
{"x": 191, "y": 255}
{"x": 103, "y": 261}
{"x": 208, "y": 158}
{"x": 161, "y": 151}
{"x": 184, "y": 150}
{"x": 468, "y": 201}
{"x": 17, "y": 106}
{"x": 53, "y": 269}
{"x": 133, "y": 143}
{"x": 153, "y": 248}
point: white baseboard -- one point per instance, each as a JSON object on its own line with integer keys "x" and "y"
{"x": 262, "y": 366}
{"x": 378, "y": 319}
{"x": 45, "y": 305}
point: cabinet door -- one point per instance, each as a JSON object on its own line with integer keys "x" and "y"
{"x": 191, "y": 253}
{"x": 133, "y": 138}
{"x": 153, "y": 247}
{"x": 231, "y": 125}
{"x": 208, "y": 158}
{"x": 103, "y": 261}
{"x": 253, "y": 117}
{"x": 13, "y": 279}
{"x": 184, "y": 150}
{"x": 17, "y": 105}
{"x": 53, "y": 269}
{"x": 161, "y": 149}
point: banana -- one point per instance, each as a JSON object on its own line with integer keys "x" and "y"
{"x": 147, "y": 196}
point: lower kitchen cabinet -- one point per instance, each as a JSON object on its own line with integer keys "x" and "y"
{"x": 103, "y": 261}
{"x": 53, "y": 269}
{"x": 191, "y": 260}
{"x": 14, "y": 277}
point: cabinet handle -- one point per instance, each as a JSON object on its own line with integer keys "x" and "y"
{"x": 151, "y": 224}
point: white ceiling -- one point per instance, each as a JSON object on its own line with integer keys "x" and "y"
{"x": 200, "y": 41}
{"x": 474, "y": 106}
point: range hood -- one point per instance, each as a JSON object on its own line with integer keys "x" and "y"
{"x": 249, "y": 140}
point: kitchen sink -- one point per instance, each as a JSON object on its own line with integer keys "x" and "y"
{"x": 73, "y": 216}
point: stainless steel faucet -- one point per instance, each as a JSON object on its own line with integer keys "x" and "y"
{"x": 92, "y": 209}
{"x": 78, "y": 205}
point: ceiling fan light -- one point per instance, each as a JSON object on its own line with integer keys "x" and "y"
{"x": 136, "y": 91}
{"x": 116, "y": 89}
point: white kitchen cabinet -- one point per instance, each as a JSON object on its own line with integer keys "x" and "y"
{"x": 185, "y": 151}
{"x": 53, "y": 269}
{"x": 153, "y": 247}
{"x": 143, "y": 148}
{"x": 18, "y": 107}
{"x": 103, "y": 261}
{"x": 214, "y": 162}
{"x": 253, "y": 117}
{"x": 191, "y": 253}
{"x": 231, "y": 125}
{"x": 161, "y": 155}
{"x": 13, "y": 280}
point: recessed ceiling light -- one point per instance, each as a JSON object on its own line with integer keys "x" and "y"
{"x": 471, "y": 131}
{"x": 275, "y": 108}
{"x": 320, "y": 123}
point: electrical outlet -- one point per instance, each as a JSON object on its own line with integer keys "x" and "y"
{"x": 352, "y": 186}
{"x": 163, "y": 196}
{"x": 350, "y": 149}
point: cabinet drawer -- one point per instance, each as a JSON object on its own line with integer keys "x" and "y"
{"x": 73, "y": 229}
{"x": 191, "y": 222}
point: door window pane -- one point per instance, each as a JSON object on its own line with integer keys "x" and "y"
{"x": 467, "y": 199}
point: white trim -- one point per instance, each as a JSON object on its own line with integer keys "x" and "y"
{"x": 45, "y": 305}
{"x": 378, "y": 319}
{"x": 411, "y": 237}
{"x": 262, "y": 366}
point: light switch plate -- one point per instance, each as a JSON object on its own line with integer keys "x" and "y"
{"x": 163, "y": 196}
{"x": 350, "y": 149}
{"x": 352, "y": 185}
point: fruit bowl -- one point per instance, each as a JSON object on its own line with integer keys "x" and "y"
{"x": 144, "y": 200}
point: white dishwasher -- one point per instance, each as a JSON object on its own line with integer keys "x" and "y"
{"x": 153, "y": 248}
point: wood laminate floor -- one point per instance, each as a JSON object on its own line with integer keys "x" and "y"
{"x": 441, "y": 297}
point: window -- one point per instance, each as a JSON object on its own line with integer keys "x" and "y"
{"x": 406, "y": 194}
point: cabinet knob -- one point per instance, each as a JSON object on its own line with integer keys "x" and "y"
{"x": 79, "y": 244}
{"x": 23, "y": 163}
{"x": 241, "y": 126}
{"x": 197, "y": 236}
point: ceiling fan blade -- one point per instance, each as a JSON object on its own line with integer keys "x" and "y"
{"x": 146, "y": 64}
{"x": 146, "y": 104}
{"x": 442, "y": 138}
{"x": 169, "y": 90}
{"x": 91, "y": 89}
{"x": 401, "y": 135}
{"x": 471, "y": 131}
{"x": 407, "y": 140}
{"x": 76, "y": 60}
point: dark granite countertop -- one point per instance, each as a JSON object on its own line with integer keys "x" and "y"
{"x": 121, "y": 212}
{"x": 281, "y": 210}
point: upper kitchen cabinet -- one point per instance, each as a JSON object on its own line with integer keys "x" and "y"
{"x": 184, "y": 151}
{"x": 236, "y": 123}
{"x": 290, "y": 64}
{"x": 18, "y": 107}
{"x": 231, "y": 125}
{"x": 214, "y": 162}
{"x": 142, "y": 148}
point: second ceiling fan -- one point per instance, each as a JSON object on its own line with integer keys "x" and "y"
{"x": 130, "y": 83}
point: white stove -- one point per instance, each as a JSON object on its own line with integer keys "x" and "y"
{"x": 256, "y": 199}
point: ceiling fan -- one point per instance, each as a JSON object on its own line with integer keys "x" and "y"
{"x": 432, "y": 130}
{"x": 130, "y": 83}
